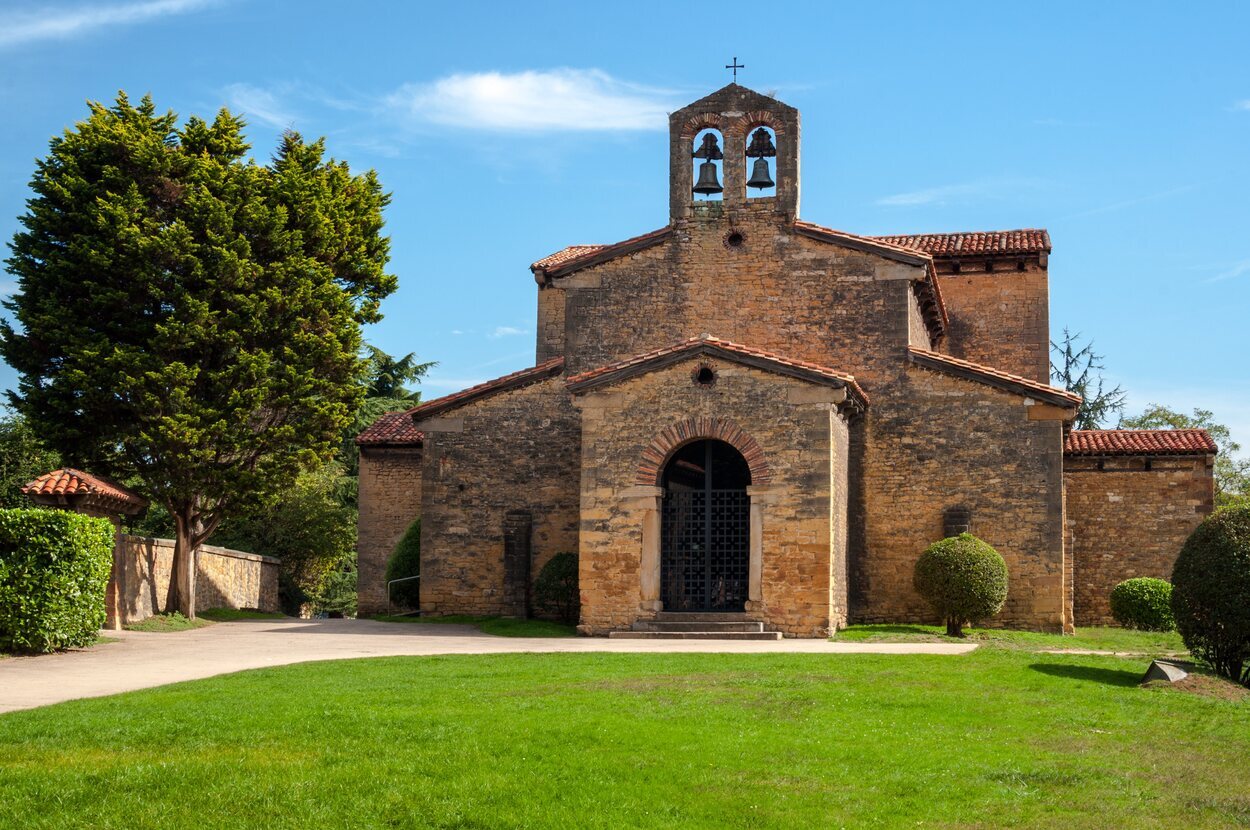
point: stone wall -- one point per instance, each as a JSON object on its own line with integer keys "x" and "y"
{"x": 934, "y": 442}
{"x": 1125, "y": 520}
{"x": 801, "y": 524}
{"x": 488, "y": 463}
{"x": 390, "y": 501}
{"x": 225, "y": 578}
{"x": 1000, "y": 318}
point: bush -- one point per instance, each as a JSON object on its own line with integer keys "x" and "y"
{"x": 556, "y": 592}
{"x": 54, "y": 569}
{"x": 406, "y": 562}
{"x": 1211, "y": 592}
{"x": 1144, "y": 603}
{"x": 964, "y": 579}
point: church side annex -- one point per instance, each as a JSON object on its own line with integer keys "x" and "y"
{"x": 747, "y": 414}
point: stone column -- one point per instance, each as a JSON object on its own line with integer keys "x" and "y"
{"x": 760, "y": 495}
{"x": 646, "y": 501}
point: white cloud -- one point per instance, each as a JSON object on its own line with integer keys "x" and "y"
{"x": 534, "y": 100}
{"x": 506, "y": 331}
{"x": 1137, "y": 200}
{"x": 58, "y": 23}
{"x": 1242, "y": 105}
{"x": 958, "y": 193}
{"x": 260, "y": 104}
{"x": 1231, "y": 271}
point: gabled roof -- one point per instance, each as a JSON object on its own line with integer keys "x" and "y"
{"x": 1139, "y": 442}
{"x": 726, "y": 350}
{"x": 70, "y": 485}
{"x": 974, "y": 243}
{"x": 576, "y": 257}
{"x": 394, "y": 429}
{"x": 516, "y": 380}
{"x": 992, "y": 377}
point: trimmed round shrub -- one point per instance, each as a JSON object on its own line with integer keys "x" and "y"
{"x": 1211, "y": 592}
{"x": 964, "y": 579}
{"x": 406, "y": 562}
{"x": 54, "y": 570}
{"x": 555, "y": 590}
{"x": 1144, "y": 603}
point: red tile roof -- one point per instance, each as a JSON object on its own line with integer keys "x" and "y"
{"x": 1139, "y": 442}
{"x": 70, "y": 482}
{"x": 993, "y": 377}
{"x": 534, "y": 374}
{"x": 706, "y": 344}
{"x": 575, "y": 257}
{"x": 391, "y": 429}
{"x": 974, "y": 243}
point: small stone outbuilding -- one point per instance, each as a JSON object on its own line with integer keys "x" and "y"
{"x": 743, "y": 412}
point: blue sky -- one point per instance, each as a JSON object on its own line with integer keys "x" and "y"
{"x": 1123, "y": 128}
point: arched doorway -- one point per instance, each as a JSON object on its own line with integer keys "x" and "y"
{"x": 705, "y": 537}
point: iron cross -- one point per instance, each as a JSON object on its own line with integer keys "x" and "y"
{"x": 735, "y": 66}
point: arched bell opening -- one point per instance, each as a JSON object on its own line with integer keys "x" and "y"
{"x": 708, "y": 165}
{"x": 705, "y": 535}
{"x": 761, "y": 157}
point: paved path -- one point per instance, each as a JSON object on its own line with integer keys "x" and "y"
{"x": 142, "y": 660}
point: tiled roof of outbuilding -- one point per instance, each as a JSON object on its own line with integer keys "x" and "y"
{"x": 70, "y": 482}
{"x": 992, "y": 376}
{"x": 1139, "y": 442}
{"x": 524, "y": 377}
{"x": 974, "y": 243}
{"x": 391, "y": 429}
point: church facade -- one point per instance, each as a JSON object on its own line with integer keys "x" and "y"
{"x": 746, "y": 413}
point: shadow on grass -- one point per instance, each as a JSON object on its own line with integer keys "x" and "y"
{"x": 1111, "y": 677}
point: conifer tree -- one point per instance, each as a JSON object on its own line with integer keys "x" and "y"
{"x": 189, "y": 317}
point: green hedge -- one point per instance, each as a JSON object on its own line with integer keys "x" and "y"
{"x": 1211, "y": 592}
{"x": 1144, "y": 603}
{"x": 555, "y": 590}
{"x": 963, "y": 578}
{"x": 54, "y": 569}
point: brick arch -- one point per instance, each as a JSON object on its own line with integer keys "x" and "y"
{"x": 699, "y": 122}
{"x": 662, "y": 447}
{"x": 757, "y": 118}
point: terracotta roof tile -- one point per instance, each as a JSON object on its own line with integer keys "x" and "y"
{"x": 574, "y": 257}
{"x": 392, "y": 428}
{"x": 974, "y": 243}
{"x": 713, "y": 345}
{"x": 995, "y": 377}
{"x": 524, "y": 377}
{"x": 1139, "y": 442}
{"x": 70, "y": 482}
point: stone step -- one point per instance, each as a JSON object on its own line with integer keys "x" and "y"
{"x": 689, "y": 625}
{"x": 702, "y": 616}
{"x": 694, "y": 635}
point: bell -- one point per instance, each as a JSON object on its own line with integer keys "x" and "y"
{"x": 759, "y": 175}
{"x": 708, "y": 183}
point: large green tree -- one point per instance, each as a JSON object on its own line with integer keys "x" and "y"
{"x": 23, "y": 457}
{"x": 1232, "y": 474}
{"x": 190, "y": 317}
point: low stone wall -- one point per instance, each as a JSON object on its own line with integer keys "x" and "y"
{"x": 224, "y": 579}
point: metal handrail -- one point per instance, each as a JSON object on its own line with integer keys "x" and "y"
{"x": 388, "y": 590}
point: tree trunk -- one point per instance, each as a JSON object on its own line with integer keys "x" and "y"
{"x": 181, "y": 595}
{"x": 954, "y": 627}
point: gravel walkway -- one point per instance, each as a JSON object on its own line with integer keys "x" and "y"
{"x": 143, "y": 660}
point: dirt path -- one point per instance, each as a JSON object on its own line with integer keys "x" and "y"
{"x": 140, "y": 660}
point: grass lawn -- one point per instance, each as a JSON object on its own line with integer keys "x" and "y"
{"x": 499, "y": 626}
{"x": 1004, "y": 737}
{"x": 233, "y": 614}
{"x": 164, "y": 623}
{"x": 1153, "y": 643}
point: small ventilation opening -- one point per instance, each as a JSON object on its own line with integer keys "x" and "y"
{"x": 734, "y": 239}
{"x": 705, "y": 376}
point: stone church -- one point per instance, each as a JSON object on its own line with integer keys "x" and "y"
{"x": 746, "y": 414}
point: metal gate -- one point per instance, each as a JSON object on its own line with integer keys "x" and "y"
{"x": 705, "y": 550}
